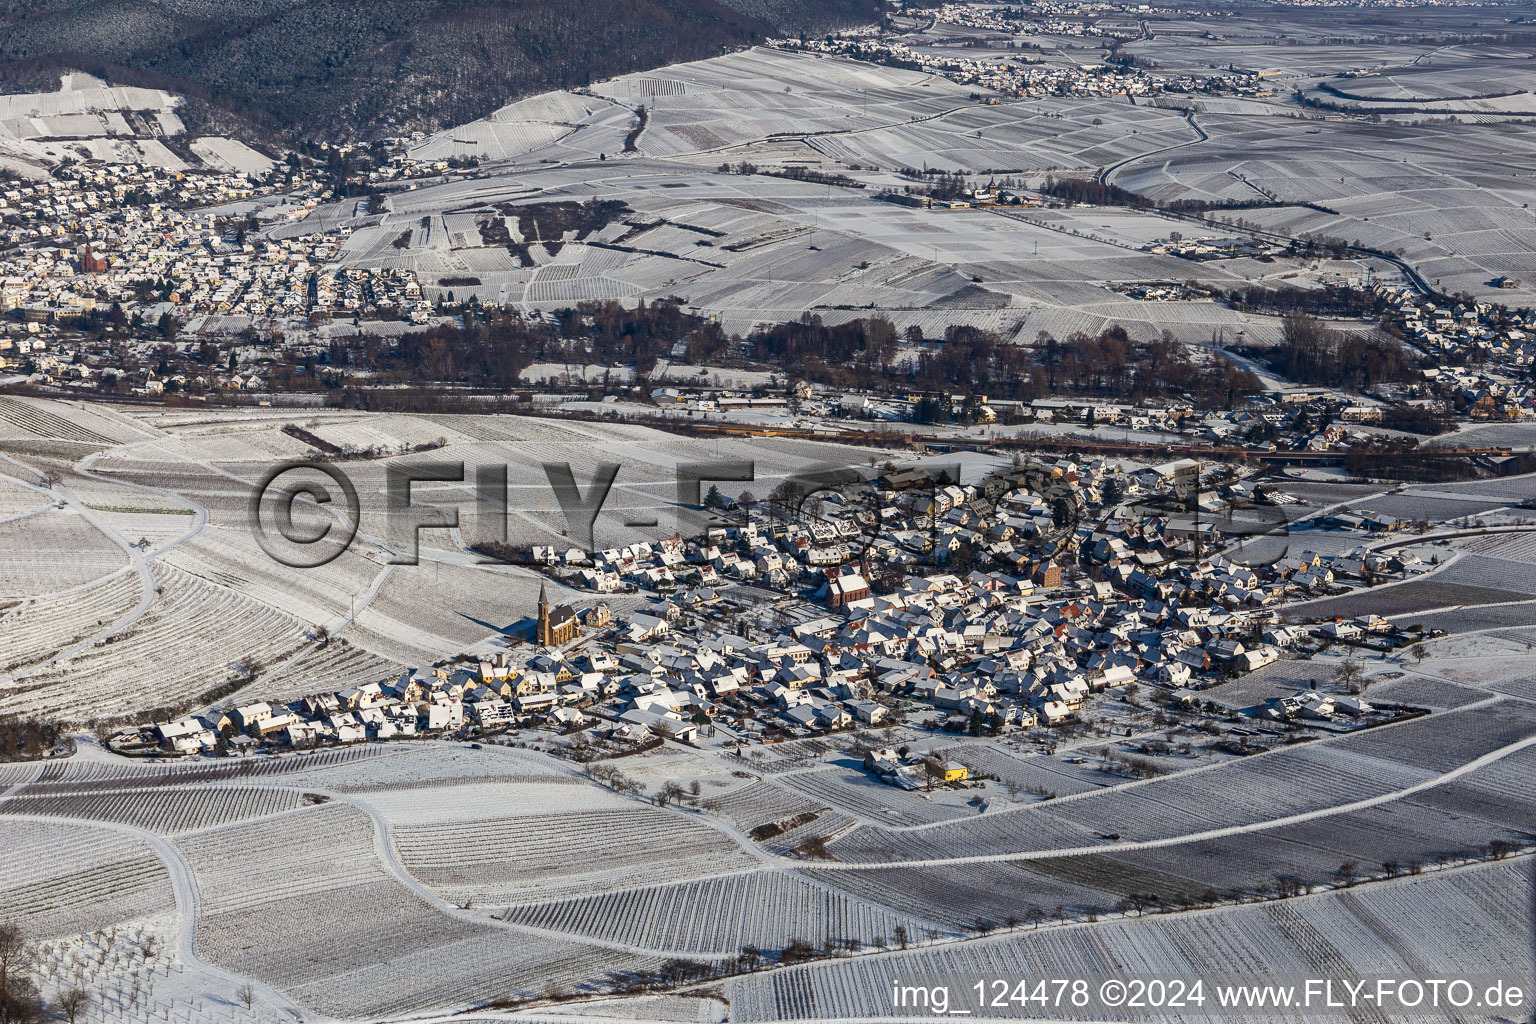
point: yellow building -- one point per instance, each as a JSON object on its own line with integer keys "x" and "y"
{"x": 948, "y": 771}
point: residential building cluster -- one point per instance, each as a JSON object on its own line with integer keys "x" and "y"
{"x": 148, "y": 242}
{"x": 1011, "y": 76}
{"x": 1006, "y": 604}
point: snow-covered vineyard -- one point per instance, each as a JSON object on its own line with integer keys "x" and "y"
{"x": 357, "y": 885}
{"x": 500, "y": 876}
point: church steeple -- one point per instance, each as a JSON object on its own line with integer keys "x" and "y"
{"x": 542, "y": 635}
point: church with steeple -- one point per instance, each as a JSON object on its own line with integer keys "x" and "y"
{"x": 556, "y": 627}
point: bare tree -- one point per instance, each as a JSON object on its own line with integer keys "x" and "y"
{"x": 72, "y": 1002}
{"x": 246, "y": 994}
{"x": 1350, "y": 675}
{"x": 933, "y": 771}
{"x": 13, "y": 951}
{"x": 901, "y": 935}
{"x": 16, "y": 988}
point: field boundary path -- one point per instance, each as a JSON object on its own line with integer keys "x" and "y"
{"x": 184, "y": 889}
{"x": 140, "y": 560}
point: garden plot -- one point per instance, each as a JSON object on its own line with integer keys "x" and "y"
{"x": 793, "y": 754}
{"x": 135, "y": 975}
{"x": 572, "y": 843}
{"x": 1462, "y": 921}
{"x": 672, "y": 763}
{"x": 62, "y": 878}
{"x": 825, "y": 827}
{"x": 58, "y": 549}
{"x": 764, "y": 908}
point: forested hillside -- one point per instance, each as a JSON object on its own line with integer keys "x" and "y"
{"x": 338, "y": 67}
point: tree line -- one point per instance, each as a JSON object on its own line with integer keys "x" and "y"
{"x": 1310, "y": 352}
{"x": 27, "y": 738}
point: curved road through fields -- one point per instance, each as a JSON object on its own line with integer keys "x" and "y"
{"x": 1106, "y": 173}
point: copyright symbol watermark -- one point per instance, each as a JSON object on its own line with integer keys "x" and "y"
{"x": 318, "y": 535}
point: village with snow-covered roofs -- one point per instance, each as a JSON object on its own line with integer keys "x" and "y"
{"x": 1012, "y": 604}
{"x": 1017, "y": 73}
{"x": 131, "y": 242}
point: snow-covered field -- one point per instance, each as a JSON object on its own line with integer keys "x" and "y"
{"x": 385, "y": 881}
{"x": 231, "y": 155}
{"x": 754, "y": 249}
{"x": 87, "y": 119}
